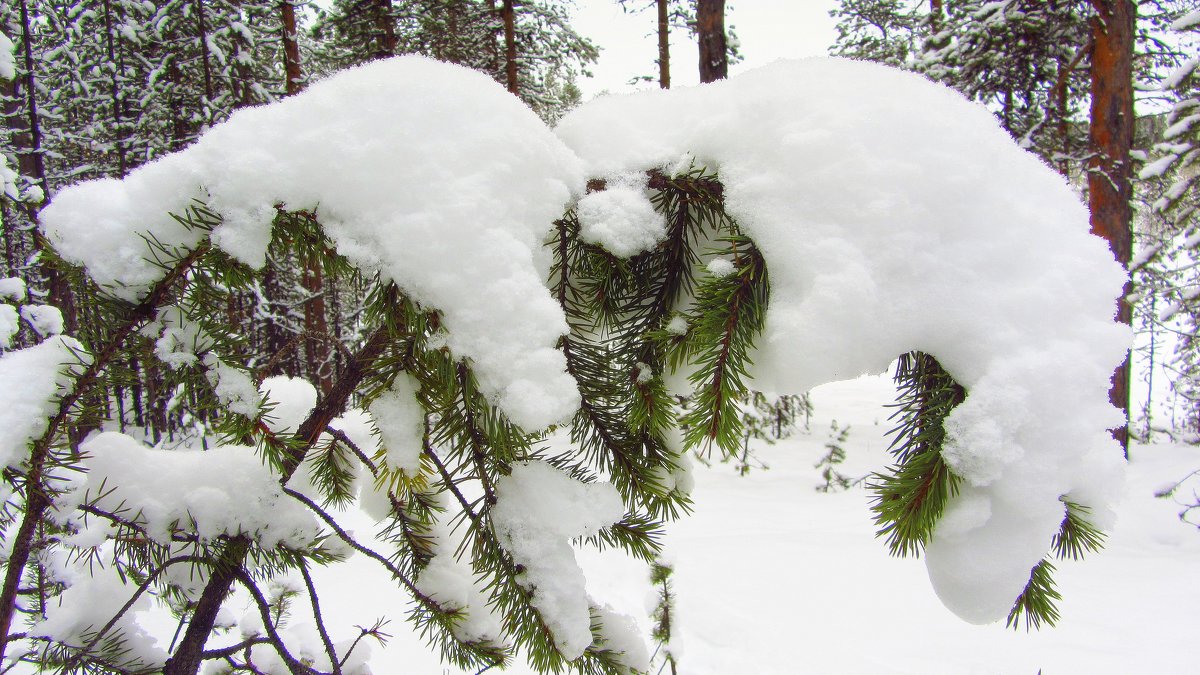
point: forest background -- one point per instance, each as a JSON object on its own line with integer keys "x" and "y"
{"x": 100, "y": 88}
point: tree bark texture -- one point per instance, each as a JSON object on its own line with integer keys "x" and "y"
{"x": 664, "y": 46}
{"x": 386, "y": 40}
{"x": 291, "y": 48}
{"x": 710, "y": 33}
{"x": 1110, "y": 176}
{"x": 508, "y": 14}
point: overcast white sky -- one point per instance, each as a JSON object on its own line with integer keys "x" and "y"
{"x": 768, "y": 30}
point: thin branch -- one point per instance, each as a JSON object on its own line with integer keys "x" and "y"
{"x": 320, "y": 620}
{"x": 264, "y": 609}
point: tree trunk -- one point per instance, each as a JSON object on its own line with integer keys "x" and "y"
{"x": 316, "y": 330}
{"x": 508, "y": 13}
{"x": 664, "y": 46}
{"x": 386, "y": 37}
{"x": 115, "y": 91}
{"x": 291, "y": 48}
{"x": 710, "y": 32}
{"x": 1110, "y": 185}
{"x": 202, "y": 31}
{"x": 27, "y": 142}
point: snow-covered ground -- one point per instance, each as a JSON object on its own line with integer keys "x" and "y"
{"x": 774, "y": 577}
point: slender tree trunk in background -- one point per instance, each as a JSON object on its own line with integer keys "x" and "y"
{"x": 386, "y": 40}
{"x": 32, "y": 164}
{"x": 202, "y": 29}
{"x": 508, "y": 13}
{"x": 664, "y": 46}
{"x": 291, "y": 48}
{"x": 1110, "y": 184}
{"x": 316, "y": 331}
{"x": 710, "y": 31}
{"x": 115, "y": 90}
{"x": 496, "y": 29}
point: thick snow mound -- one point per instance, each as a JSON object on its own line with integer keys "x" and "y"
{"x": 895, "y": 215}
{"x": 225, "y": 490}
{"x": 539, "y": 510}
{"x": 31, "y": 382}
{"x": 410, "y": 164}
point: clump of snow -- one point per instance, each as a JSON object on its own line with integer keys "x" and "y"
{"x": 895, "y": 215}
{"x": 9, "y": 324}
{"x": 621, "y": 218}
{"x": 46, "y": 320}
{"x": 31, "y": 382}
{"x": 675, "y": 474}
{"x": 234, "y": 388}
{"x": 94, "y": 594}
{"x": 539, "y": 510}
{"x": 450, "y": 583}
{"x": 480, "y": 183}
{"x": 401, "y": 423}
{"x": 621, "y": 636}
{"x": 12, "y": 288}
{"x": 291, "y": 398}
{"x": 226, "y": 490}
{"x": 720, "y": 267}
{"x": 8, "y": 64}
{"x": 8, "y": 180}
{"x": 677, "y": 325}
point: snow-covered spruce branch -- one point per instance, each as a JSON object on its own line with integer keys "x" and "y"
{"x": 186, "y": 659}
{"x": 84, "y": 651}
{"x": 651, "y": 277}
{"x": 37, "y": 498}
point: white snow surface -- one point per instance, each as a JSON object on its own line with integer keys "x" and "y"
{"x": 894, "y": 215}
{"x": 9, "y": 324}
{"x": 226, "y": 490}
{"x": 31, "y": 382}
{"x": 12, "y": 288}
{"x": 8, "y": 64}
{"x": 291, "y": 398}
{"x": 46, "y": 320}
{"x": 409, "y": 164}
{"x": 774, "y": 578}
{"x": 94, "y": 594}
{"x": 401, "y": 423}
{"x": 621, "y": 218}
{"x": 539, "y": 510}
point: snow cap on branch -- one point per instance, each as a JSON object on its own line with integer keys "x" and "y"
{"x": 894, "y": 215}
{"x": 409, "y": 164}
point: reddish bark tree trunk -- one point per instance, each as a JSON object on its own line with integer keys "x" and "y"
{"x": 1110, "y": 185}
{"x": 664, "y": 46}
{"x": 291, "y": 48}
{"x": 710, "y": 31}
{"x": 387, "y": 40}
{"x": 508, "y": 13}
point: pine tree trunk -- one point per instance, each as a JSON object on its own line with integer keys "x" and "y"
{"x": 664, "y": 46}
{"x": 316, "y": 330}
{"x": 508, "y": 13}
{"x": 115, "y": 91}
{"x": 386, "y": 40}
{"x": 202, "y": 30}
{"x": 316, "y": 338}
{"x": 710, "y": 29}
{"x": 27, "y": 142}
{"x": 1110, "y": 176}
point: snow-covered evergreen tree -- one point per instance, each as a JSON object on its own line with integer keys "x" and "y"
{"x": 536, "y": 302}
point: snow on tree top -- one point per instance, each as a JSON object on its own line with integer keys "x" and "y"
{"x": 894, "y": 215}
